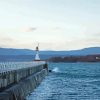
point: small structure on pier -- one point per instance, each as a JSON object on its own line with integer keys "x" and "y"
{"x": 37, "y": 58}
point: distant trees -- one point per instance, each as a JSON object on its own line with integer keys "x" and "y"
{"x": 87, "y": 58}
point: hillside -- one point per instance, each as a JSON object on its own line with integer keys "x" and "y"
{"x": 9, "y": 54}
{"x": 85, "y": 51}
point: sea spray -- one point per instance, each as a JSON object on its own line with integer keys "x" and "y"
{"x": 56, "y": 69}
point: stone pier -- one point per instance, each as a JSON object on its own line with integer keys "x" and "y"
{"x": 18, "y": 79}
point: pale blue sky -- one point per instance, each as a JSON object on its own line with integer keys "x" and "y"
{"x": 55, "y": 24}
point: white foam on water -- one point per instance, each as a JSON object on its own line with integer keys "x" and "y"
{"x": 56, "y": 69}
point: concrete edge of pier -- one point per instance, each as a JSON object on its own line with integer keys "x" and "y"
{"x": 25, "y": 86}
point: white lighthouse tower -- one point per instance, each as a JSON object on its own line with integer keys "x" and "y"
{"x": 37, "y": 58}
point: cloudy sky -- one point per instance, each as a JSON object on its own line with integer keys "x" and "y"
{"x": 55, "y": 24}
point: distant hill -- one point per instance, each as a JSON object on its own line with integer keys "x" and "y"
{"x": 85, "y": 51}
{"x": 11, "y": 51}
{"x": 10, "y": 54}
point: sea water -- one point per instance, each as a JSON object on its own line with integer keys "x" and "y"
{"x": 69, "y": 81}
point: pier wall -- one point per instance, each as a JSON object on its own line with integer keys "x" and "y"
{"x": 21, "y": 82}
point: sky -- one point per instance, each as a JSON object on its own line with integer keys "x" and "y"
{"x": 54, "y": 24}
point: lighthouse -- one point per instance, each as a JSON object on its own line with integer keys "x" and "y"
{"x": 37, "y": 58}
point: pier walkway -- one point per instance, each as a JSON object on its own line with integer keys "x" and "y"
{"x": 13, "y": 72}
{"x": 11, "y": 66}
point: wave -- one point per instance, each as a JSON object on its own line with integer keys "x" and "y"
{"x": 56, "y": 69}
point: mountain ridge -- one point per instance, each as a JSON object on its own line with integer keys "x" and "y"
{"x": 84, "y": 51}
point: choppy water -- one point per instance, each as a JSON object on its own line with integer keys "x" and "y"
{"x": 70, "y": 81}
